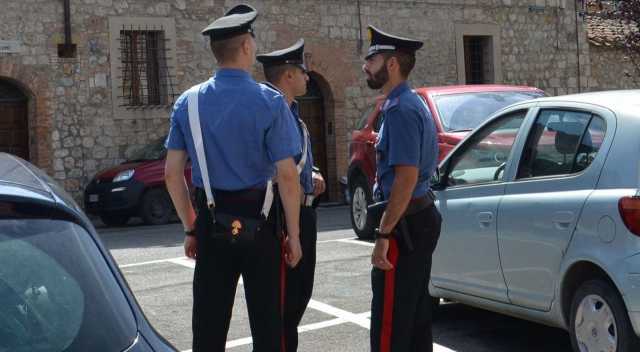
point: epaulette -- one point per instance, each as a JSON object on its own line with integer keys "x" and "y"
{"x": 390, "y": 103}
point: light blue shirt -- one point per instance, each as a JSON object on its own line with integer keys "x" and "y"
{"x": 407, "y": 137}
{"x": 246, "y": 127}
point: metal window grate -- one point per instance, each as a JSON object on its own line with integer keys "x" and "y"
{"x": 146, "y": 81}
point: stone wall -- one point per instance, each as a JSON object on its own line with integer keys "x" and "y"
{"x": 77, "y": 132}
{"x": 611, "y": 68}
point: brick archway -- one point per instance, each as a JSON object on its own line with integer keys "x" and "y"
{"x": 39, "y": 115}
{"x": 317, "y": 110}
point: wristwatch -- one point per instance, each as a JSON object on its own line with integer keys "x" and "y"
{"x": 191, "y": 232}
{"x": 379, "y": 234}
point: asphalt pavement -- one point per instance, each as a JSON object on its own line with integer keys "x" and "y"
{"x": 152, "y": 260}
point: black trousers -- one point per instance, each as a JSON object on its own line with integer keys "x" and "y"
{"x": 401, "y": 308}
{"x": 219, "y": 264}
{"x": 299, "y": 280}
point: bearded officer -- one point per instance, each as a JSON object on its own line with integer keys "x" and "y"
{"x": 286, "y": 72}
{"x": 407, "y": 152}
{"x": 238, "y": 134}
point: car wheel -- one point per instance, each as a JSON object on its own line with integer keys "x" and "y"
{"x": 600, "y": 321}
{"x": 115, "y": 219}
{"x": 156, "y": 207}
{"x": 360, "y": 199}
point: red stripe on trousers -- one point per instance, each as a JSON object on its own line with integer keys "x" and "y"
{"x": 387, "y": 305}
{"x": 283, "y": 287}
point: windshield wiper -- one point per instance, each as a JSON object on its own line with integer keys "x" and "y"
{"x": 461, "y": 130}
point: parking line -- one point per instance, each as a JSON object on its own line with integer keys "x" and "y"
{"x": 150, "y": 262}
{"x": 355, "y": 240}
{"x": 342, "y": 316}
{"x": 309, "y": 327}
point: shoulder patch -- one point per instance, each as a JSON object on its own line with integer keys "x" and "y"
{"x": 390, "y": 103}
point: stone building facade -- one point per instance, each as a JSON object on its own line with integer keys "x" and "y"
{"x": 73, "y": 110}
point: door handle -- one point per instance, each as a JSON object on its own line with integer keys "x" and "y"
{"x": 563, "y": 219}
{"x": 485, "y": 219}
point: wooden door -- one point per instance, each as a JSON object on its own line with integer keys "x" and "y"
{"x": 14, "y": 132}
{"x": 312, "y": 113}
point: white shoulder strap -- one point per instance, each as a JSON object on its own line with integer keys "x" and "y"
{"x": 196, "y": 132}
{"x": 303, "y": 159}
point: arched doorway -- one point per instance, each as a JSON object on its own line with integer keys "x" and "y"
{"x": 312, "y": 112}
{"x": 14, "y": 131}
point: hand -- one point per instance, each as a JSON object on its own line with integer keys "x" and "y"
{"x": 319, "y": 186}
{"x": 379, "y": 255}
{"x": 190, "y": 246}
{"x": 293, "y": 251}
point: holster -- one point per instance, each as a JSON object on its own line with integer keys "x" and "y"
{"x": 375, "y": 211}
{"x": 230, "y": 219}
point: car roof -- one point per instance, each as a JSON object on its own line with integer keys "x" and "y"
{"x": 473, "y": 88}
{"x": 617, "y": 100}
{"x": 18, "y": 179}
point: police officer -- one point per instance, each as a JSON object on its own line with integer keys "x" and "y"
{"x": 244, "y": 134}
{"x": 407, "y": 152}
{"x": 286, "y": 72}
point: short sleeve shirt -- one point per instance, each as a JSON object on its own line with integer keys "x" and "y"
{"x": 246, "y": 126}
{"x": 407, "y": 137}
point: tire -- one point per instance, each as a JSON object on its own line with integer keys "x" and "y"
{"x": 606, "y": 325}
{"x": 114, "y": 220}
{"x": 156, "y": 207}
{"x": 360, "y": 199}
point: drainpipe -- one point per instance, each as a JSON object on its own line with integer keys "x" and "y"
{"x": 68, "y": 49}
{"x": 578, "y": 44}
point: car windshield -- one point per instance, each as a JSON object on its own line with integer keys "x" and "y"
{"x": 56, "y": 291}
{"x": 153, "y": 151}
{"x": 466, "y": 111}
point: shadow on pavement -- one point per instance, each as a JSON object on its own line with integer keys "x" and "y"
{"x": 467, "y": 329}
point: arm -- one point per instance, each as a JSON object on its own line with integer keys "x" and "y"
{"x": 404, "y": 182}
{"x": 179, "y": 192}
{"x": 289, "y": 186}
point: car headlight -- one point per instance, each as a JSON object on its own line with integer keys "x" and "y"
{"x": 124, "y": 175}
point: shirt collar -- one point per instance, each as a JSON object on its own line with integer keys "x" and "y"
{"x": 398, "y": 90}
{"x": 294, "y": 103}
{"x": 233, "y": 73}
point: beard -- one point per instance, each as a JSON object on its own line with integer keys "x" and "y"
{"x": 378, "y": 79}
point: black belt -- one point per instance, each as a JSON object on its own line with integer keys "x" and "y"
{"x": 418, "y": 204}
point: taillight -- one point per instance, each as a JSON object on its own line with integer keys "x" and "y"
{"x": 630, "y": 212}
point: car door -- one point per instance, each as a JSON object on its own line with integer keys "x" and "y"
{"x": 470, "y": 189}
{"x": 557, "y": 171}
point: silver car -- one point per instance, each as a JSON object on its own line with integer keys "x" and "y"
{"x": 542, "y": 217}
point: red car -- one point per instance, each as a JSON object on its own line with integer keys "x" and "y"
{"x": 133, "y": 188}
{"x": 456, "y": 111}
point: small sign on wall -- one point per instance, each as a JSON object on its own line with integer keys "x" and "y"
{"x": 10, "y": 46}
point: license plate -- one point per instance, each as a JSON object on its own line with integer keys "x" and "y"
{"x": 93, "y": 198}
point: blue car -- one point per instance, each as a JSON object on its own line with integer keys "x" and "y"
{"x": 60, "y": 289}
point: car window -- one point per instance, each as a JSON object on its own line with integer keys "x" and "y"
{"x": 484, "y": 155}
{"x": 56, "y": 291}
{"x": 561, "y": 142}
{"x": 466, "y": 111}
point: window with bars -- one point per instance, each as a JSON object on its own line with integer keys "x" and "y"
{"x": 478, "y": 59}
{"x": 146, "y": 82}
